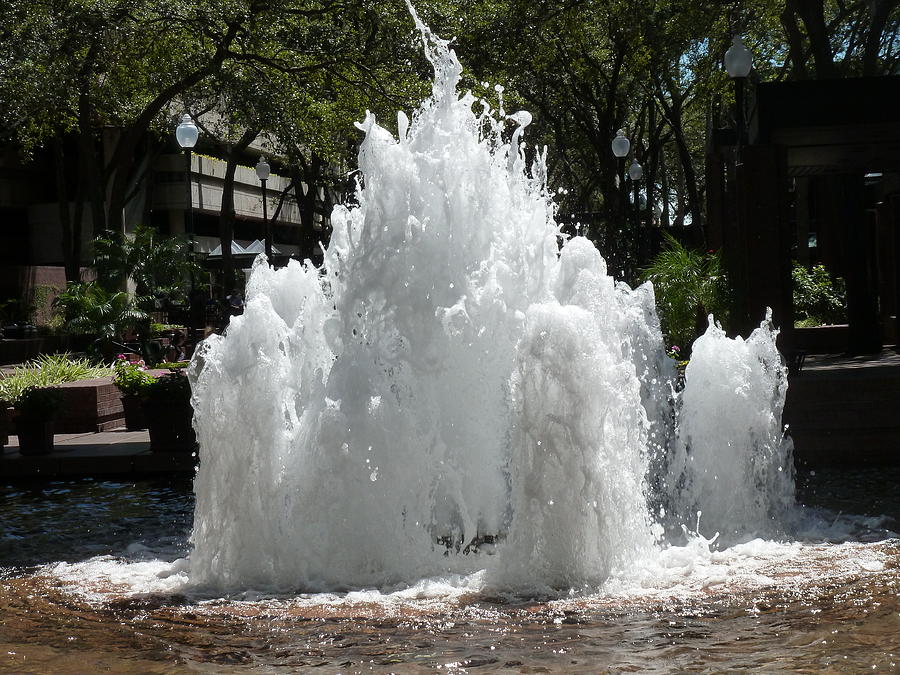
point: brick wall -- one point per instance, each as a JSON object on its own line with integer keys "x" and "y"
{"x": 90, "y": 405}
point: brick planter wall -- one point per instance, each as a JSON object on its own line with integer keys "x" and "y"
{"x": 89, "y": 406}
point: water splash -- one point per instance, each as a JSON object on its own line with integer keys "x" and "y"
{"x": 730, "y": 460}
{"x": 459, "y": 390}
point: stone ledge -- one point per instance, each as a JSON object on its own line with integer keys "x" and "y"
{"x": 117, "y": 453}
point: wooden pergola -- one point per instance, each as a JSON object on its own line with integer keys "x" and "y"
{"x": 822, "y": 158}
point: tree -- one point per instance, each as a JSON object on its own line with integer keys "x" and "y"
{"x": 304, "y": 116}
{"x": 841, "y": 38}
{"x": 99, "y": 80}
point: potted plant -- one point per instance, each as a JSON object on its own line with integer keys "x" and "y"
{"x": 37, "y": 409}
{"x": 167, "y": 406}
{"x": 132, "y": 378}
{"x": 4, "y": 423}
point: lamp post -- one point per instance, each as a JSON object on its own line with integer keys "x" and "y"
{"x": 262, "y": 172}
{"x": 738, "y": 61}
{"x": 636, "y": 172}
{"x": 186, "y": 134}
{"x": 620, "y": 148}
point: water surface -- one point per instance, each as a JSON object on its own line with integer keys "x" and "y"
{"x": 811, "y": 607}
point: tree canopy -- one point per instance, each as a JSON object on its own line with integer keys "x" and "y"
{"x": 103, "y": 80}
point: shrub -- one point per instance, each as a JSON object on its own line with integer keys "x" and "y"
{"x": 160, "y": 266}
{"x": 91, "y": 309}
{"x": 162, "y": 328}
{"x": 131, "y": 377}
{"x": 173, "y": 387}
{"x": 819, "y": 298}
{"x": 689, "y": 285}
{"x": 173, "y": 365}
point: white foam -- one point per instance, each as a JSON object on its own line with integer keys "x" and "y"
{"x": 451, "y": 376}
{"x": 731, "y": 461}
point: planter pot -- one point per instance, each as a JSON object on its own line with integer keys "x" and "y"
{"x": 170, "y": 425}
{"x": 35, "y": 436}
{"x": 4, "y": 424}
{"x": 135, "y": 418}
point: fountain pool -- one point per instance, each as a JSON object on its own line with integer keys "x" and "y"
{"x": 80, "y": 592}
{"x": 460, "y": 447}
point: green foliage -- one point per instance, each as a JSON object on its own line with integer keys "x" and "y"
{"x": 819, "y": 298}
{"x": 159, "y": 266}
{"x": 131, "y": 377}
{"x": 302, "y": 72}
{"x": 689, "y": 285}
{"x": 90, "y": 309}
{"x": 172, "y": 365}
{"x": 38, "y": 403}
{"x": 48, "y": 370}
{"x": 173, "y": 387}
{"x": 41, "y": 304}
{"x": 160, "y": 328}
{"x": 33, "y": 307}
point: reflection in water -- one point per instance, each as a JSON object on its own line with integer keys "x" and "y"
{"x": 792, "y": 607}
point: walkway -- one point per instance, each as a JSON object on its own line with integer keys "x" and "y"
{"x": 886, "y": 362}
{"x": 118, "y": 453}
{"x": 843, "y": 409}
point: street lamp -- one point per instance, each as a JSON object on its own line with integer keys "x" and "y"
{"x": 186, "y": 134}
{"x": 620, "y": 148}
{"x": 262, "y": 172}
{"x": 738, "y": 61}
{"x": 636, "y": 172}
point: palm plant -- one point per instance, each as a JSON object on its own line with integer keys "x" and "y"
{"x": 158, "y": 265}
{"x": 689, "y": 285}
{"x": 90, "y": 309}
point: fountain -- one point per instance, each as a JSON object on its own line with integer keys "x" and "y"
{"x": 465, "y": 391}
{"x": 460, "y": 445}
